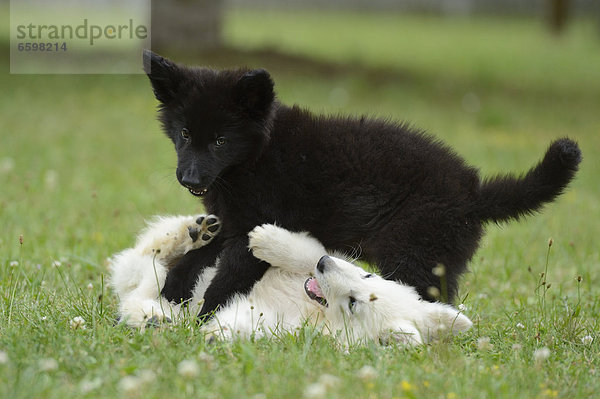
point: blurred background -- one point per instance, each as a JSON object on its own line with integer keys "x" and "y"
{"x": 83, "y": 161}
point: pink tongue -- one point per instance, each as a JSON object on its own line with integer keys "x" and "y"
{"x": 313, "y": 286}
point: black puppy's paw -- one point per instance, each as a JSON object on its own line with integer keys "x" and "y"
{"x": 205, "y": 229}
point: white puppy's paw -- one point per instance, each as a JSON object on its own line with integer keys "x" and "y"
{"x": 175, "y": 237}
{"x": 260, "y": 236}
{"x": 213, "y": 332}
{"x": 142, "y": 314}
{"x": 297, "y": 252}
{"x": 156, "y": 321}
{"x": 268, "y": 242}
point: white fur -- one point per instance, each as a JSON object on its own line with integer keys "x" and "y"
{"x": 383, "y": 310}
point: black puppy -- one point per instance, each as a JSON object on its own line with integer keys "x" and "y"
{"x": 396, "y": 196}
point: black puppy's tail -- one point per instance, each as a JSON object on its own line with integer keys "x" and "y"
{"x": 506, "y": 197}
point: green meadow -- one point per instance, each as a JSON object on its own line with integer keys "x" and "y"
{"x": 83, "y": 163}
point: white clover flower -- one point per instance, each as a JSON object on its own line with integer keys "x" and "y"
{"x": 588, "y": 339}
{"x": 3, "y": 357}
{"x": 130, "y": 384}
{"x": 462, "y": 307}
{"x": 483, "y": 344}
{"x": 207, "y": 359}
{"x": 439, "y": 270}
{"x": 44, "y": 318}
{"x": 51, "y": 179}
{"x": 7, "y": 165}
{"x": 315, "y": 391}
{"x": 14, "y": 263}
{"x": 78, "y": 323}
{"x": 319, "y": 389}
{"x": 367, "y": 373}
{"x": 146, "y": 376}
{"x": 188, "y": 368}
{"x": 86, "y": 385}
{"x": 48, "y": 364}
{"x": 56, "y": 263}
{"x": 329, "y": 381}
{"x": 90, "y": 286}
{"x": 433, "y": 292}
{"x": 541, "y": 354}
{"x": 520, "y": 325}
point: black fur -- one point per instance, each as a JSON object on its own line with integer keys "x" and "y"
{"x": 400, "y": 198}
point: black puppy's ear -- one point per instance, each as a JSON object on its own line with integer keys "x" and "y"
{"x": 164, "y": 75}
{"x": 254, "y": 91}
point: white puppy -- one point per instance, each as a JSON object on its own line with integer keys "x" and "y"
{"x": 304, "y": 286}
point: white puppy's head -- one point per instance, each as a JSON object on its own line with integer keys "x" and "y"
{"x": 359, "y": 304}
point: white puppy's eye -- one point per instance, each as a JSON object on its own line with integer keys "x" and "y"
{"x": 351, "y": 303}
{"x": 185, "y": 134}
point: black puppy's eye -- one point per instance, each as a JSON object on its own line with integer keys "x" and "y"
{"x": 185, "y": 134}
{"x": 368, "y": 275}
{"x": 351, "y": 303}
{"x": 220, "y": 141}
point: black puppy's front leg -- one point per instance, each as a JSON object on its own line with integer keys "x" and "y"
{"x": 237, "y": 273}
{"x": 182, "y": 278}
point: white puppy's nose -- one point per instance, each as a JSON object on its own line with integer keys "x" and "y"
{"x": 323, "y": 263}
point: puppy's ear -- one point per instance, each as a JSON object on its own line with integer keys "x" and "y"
{"x": 442, "y": 319}
{"x": 165, "y": 76}
{"x": 254, "y": 92}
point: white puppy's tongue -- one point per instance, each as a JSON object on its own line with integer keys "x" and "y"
{"x": 313, "y": 286}
{"x": 314, "y": 292}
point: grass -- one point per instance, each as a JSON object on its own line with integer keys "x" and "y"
{"x": 83, "y": 163}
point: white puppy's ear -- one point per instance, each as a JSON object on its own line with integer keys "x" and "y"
{"x": 441, "y": 319}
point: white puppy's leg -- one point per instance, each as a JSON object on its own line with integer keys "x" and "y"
{"x": 404, "y": 333}
{"x": 295, "y": 252}
{"x": 137, "y": 280}
{"x": 440, "y": 319}
{"x": 138, "y": 274}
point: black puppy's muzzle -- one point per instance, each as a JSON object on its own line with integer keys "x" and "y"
{"x": 193, "y": 182}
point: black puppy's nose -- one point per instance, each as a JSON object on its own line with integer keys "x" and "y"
{"x": 189, "y": 181}
{"x": 322, "y": 264}
{"x": 189, "y": 178}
